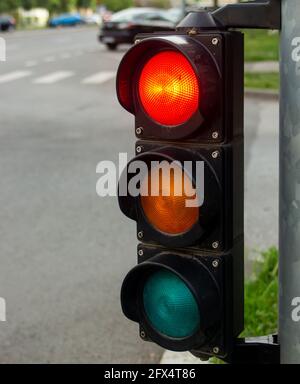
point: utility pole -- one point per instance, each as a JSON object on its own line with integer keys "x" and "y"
{"x": 183, "y": 7}
{"x": 290, "y": 184}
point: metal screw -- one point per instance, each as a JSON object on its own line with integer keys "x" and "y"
{"x": 143, "y": 335}
{"x": 215, "y": 263}
{"x": 215, "y": 135}
{"x": 215, "y": 41}
{"x": 216, "y": 350}
{"x": 139, "y": 131}
{"x": 215, "y": 154}
{"x": 139, "y": 149}
{"x": 140, "y": 235}
{"x": 215, "y": 245}
{"x": 141, "y": 252}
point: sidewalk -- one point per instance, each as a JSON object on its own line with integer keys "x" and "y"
{"x": 262, "y": 67}
{"x": 180, "y": 358}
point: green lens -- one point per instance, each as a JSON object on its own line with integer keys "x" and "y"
{"x": 170, "y": 306}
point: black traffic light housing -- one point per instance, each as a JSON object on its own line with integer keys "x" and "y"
{"x": 209, "y": 258}
{"x": 221, "y": 217}
{"x": 218, "y": 60}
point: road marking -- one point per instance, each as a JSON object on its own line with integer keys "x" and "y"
{"x": 16, "y": 75}
{"x": 54, "y": 77}
{"x": 31, "y": 63}
{"x": 99, "y": 78}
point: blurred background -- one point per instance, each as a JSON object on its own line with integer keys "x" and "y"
{"x": 38, "y": 13}
{"x": 64, "y": 251}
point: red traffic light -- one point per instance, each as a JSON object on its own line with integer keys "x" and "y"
{"x": 171, "y": 85}
{"x": 168, "y": 88}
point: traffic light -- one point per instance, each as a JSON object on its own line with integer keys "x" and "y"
{"x": 185, "y": 91}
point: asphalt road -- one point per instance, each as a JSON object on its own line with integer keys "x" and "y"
{"x": 65, "y": 251}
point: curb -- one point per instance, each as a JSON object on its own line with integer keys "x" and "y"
{"x": 263, "y": 94}
{"x": 262, "y": 66}
{"x": 180, "y": 358}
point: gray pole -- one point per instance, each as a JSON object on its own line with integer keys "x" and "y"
{"x": 183, "y": 7}
{"x": 290, "y": 184}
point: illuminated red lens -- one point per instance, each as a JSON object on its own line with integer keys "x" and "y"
{"x": 169, "y": 89}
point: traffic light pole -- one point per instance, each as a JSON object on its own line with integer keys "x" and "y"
{"x": 290, "y": 184}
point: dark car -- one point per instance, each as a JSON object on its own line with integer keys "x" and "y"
{"x": 66, "y": 19}
{"x": 125, "y": 25}
{"x": 7, "y": 23}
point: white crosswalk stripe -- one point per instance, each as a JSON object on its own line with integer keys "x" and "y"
{"x": 54, "y": 77}
{"x": 16, "y": 75}
{"x": 99, "y": 78}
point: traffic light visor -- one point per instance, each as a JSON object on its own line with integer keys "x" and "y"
{"x": 169, "y": 89}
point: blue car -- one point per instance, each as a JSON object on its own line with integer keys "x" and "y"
{"x": 66, "y": 20}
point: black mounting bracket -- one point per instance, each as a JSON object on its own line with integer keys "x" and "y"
{"x": 254, "y": 350}
{"x": 258, "y": 14}
{"x": 259, "y": 350}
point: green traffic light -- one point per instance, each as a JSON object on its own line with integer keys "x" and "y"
{"x": 170, "y": 305}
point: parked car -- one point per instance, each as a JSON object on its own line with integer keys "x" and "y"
{"x": 66, "y": 19}
{"x": 7, "y": 23}
{"x": 125, "y": 25}
{"x": 176, "y": 14}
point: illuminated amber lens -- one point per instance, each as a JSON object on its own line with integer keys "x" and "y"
{"x": 169, "y": 89}
{"x": 166, "y": 211}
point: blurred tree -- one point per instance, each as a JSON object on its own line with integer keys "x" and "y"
{"x": 117, "y": 5}
{"x": 54, "y": 6}
{"x": 57, "y": 6}
{"x": 86, "y": 4}
{"x": 8, "y": 5}
{"x": 153, "y": 3}
{"x": 158, "y": 3}
{"x": 28, "y": 4}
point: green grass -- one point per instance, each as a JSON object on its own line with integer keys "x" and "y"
{"x": 261, "y": 297}
{"x": 262, "y": 80}
{"x": 261, "y": 45}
